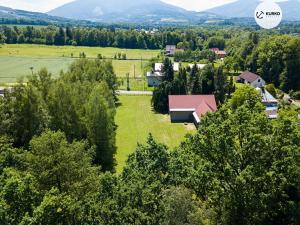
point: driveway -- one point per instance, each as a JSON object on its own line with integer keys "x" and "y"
{"x": 121, "y": 92}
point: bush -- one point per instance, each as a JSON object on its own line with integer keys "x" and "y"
{"x": 296, "y": 95}
{"x": 271, "y": 88}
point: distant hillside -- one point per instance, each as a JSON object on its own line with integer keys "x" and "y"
{"x": 14, "y": 16}
{"x": 246, "y": 8}
{"x": 128, "y": 11}
{"x": 9, "y": 13}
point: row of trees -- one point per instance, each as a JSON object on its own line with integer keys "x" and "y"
{"x": 209, "y": 80}
{"x": 187, "y": 39}
{"x": 237, "y": 169}
{"x": 80, "y": 103}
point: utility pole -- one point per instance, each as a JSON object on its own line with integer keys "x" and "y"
{"x": 128, "y": 87}
{"x": 31, "y": 68}
{"x": 141, "y": 63}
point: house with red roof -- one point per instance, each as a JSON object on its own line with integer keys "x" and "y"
{"x": 220, "y": 53}
{"x": 170, "y": 50}
{"x": 190, "y": 108}
{"x": 252, "y": 79}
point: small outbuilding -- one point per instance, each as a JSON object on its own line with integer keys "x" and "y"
{"x": 190, "y": 108}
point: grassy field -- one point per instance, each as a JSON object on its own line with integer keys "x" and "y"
{"x": 16, "y": 60}
{"x": 14, "y": 67}
{"x": 66, "y": 51}
{"x": 135, "y": 120}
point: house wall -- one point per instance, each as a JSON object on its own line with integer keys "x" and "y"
{"x": 258, "y": 83}
{"x": 154, "y": 81}
{"x": 185, "y": 116}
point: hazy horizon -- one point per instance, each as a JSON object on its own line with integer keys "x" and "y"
{"x": 46, "y": 5}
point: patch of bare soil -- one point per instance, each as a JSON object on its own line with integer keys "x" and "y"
{"x": 190, "y": 126}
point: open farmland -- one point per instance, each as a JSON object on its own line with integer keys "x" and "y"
{"x": 16, "y": 60}
{"x": 135, "y": 120}
{"x": 68, "y": 51}
{"x": 13, "y": 68}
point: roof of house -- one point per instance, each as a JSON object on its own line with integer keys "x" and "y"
{"x": 159, "y": 66}
{"x": 266, "y": 96}
{"x": 272, "y": 112}
{"x": 248, "y": 76}
{"x": 200, "y": 66}
{"x": 214, "y": 49}
{"x": 221, "y": 52}
{"x": 170, "y": 47}
{"x": 201, "y": 104}
{"x": 154, "y": 74}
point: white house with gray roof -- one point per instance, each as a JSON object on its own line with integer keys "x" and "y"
{"x": 155, "y": 77}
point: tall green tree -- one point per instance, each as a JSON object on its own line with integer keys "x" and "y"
{"x": 101, "y": 128}
{"x": 65, "y": 166}
{"x": 25, "y": 114}
{"x": 60, "y": 37}
{"x": 221, "y": 85}
{"x": 168, "y": 70}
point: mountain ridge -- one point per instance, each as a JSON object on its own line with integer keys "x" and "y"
{"x": 126, "y": 11}
{"x": 246, "y": 8}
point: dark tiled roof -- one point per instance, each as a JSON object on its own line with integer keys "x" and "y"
{"x": 248, "y": 76}
{"x": 170, "y": 47}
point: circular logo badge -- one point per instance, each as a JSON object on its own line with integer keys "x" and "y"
{"x": 268, "y": 14}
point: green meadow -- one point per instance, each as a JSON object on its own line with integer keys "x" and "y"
{"x": 16, "y": 61}
{"x": 69, "y": 51}
{"x": 135, "y": 120}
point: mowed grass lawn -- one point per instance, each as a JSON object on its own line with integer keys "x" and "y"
{"x": 135, "y": 120}
{"x": 67, "y": 51}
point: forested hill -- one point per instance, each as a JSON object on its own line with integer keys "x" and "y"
{"x": 129, "y": 11}
{"x": 110, "y": 12}
{"x": 15, "y": 16}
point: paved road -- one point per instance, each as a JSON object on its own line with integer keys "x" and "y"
{"x": 121, "y": 92}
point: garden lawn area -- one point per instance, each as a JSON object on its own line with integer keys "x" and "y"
{"x": 67, "y": 51}
{"x": 135, "y": 120}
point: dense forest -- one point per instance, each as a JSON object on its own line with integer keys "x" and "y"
{"x": 57, "y": 148}
{"x": 70, "y": 104}
{"x": 58, "y": 136}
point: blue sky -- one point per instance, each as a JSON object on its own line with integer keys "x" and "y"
{"x": 46, "y": 5}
